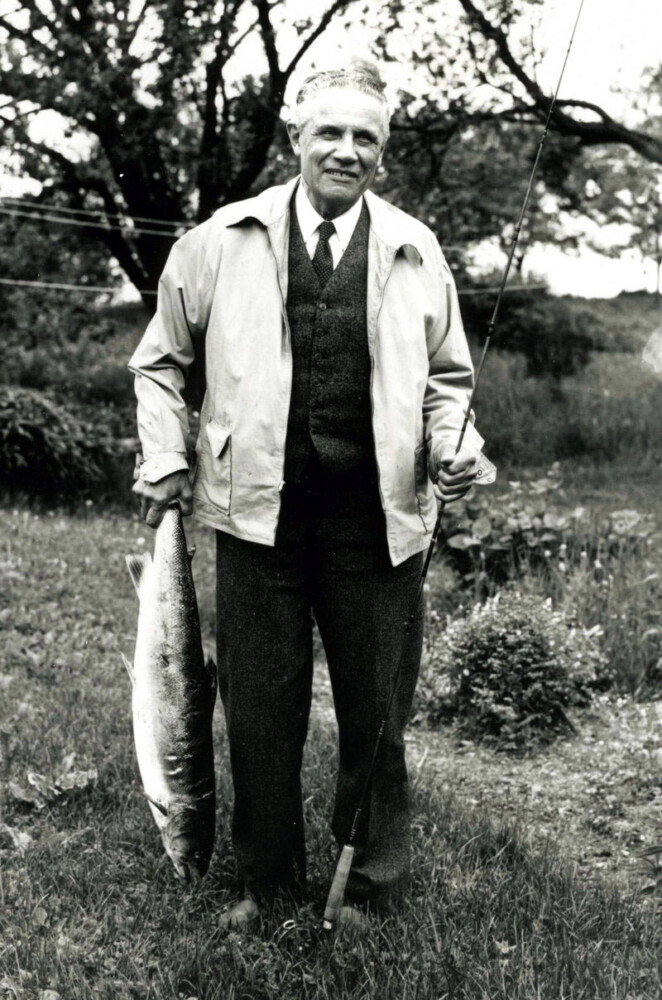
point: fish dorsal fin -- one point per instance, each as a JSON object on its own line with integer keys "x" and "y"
{"x": 190, "y": 552}
{"x": 136, "y": 565}
{"x": 129, "y": 668}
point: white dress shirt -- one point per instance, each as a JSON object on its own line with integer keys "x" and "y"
{"x": 310, "y": 221}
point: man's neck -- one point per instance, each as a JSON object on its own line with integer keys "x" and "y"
{"x": 327, "y": 212}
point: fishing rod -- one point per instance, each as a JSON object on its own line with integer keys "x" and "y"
{"x": 337, "y": 892}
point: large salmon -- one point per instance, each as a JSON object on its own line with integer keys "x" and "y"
{"x": 174, "y": 692}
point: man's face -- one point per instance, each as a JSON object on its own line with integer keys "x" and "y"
{"x": 340, "y": 146}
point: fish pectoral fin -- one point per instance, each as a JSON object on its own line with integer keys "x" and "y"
{"x": 136, "y": 565}
{"x": 129, "y": 668}
{"x": 157, "y": 805}
{"x": 190, "y": 552}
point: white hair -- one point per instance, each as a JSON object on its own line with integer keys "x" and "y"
{"x": 360, "y": 75}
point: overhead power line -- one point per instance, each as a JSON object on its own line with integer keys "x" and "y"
{"x": 38, "y": 211}
{"x": 129, "y": 230}
{"x": 146, "y": 291}
{"x": 97, "y": 212}
{"x": 39, "y": 216}
{"x": 22, "y": 283}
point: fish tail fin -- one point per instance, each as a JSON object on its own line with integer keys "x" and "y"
{"x": 129, "y": 668}
{"x": 136, "y": 565}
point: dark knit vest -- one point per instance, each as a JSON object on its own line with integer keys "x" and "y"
{"x": 330, "y": 410}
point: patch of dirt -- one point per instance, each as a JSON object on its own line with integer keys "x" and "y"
{"x": 596, "y": 796}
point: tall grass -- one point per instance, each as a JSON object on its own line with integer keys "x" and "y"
{"x": 610, "y": 411}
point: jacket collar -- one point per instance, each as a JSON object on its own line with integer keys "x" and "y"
{"x": 395, "y": 229}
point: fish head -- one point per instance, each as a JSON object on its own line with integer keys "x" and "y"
{"x": 188, "y": 843}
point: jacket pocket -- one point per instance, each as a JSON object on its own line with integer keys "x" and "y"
{"x": 421, "y": 477}
{"x": 218, "y": 468}
{"x": 424, "y": 495}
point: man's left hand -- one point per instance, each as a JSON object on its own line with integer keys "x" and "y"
{"x": 455, "y": 474}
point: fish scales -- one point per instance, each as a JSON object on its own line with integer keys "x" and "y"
{"x": 174, "y": 692}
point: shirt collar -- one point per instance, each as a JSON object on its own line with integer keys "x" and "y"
{"x": 309, "y": 218}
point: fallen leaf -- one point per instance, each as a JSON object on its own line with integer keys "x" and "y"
{"x": 26, "y": 796}
{"x": 76, "y": 780}
{"x": 17, "y": 839}
{"x": 42, "y": 785}
{"x": 40, "y": 917}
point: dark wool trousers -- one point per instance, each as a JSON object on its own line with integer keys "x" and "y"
{"x": 330, "y": 559}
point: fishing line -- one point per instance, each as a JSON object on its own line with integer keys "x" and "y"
{"x": 337, "y": 892}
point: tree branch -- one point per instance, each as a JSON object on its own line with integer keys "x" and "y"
{"x": 325, "y": 21}
{"x": 607, "y": 130}
{"x": 24, "y": 36}
{"x": 74, "y": 183}
{"x": 134, "y": 26}
{"x": 269, "y": 41}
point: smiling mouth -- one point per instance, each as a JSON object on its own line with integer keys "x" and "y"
{"x": 342, "y": 173}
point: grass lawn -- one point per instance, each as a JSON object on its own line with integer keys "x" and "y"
{"x": 501, "y": 905}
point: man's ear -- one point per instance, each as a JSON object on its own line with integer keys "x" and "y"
{"x": 295, "y": 135}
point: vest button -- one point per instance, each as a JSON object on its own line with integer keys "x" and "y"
{"x": 322, "y": 305}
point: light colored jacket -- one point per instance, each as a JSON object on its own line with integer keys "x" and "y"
{"x": 225, "y": 282}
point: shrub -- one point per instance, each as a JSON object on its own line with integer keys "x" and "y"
{"x": 507, "y": 671}
{"x": 555, "y": 335}
{"x": 46, "y": 448}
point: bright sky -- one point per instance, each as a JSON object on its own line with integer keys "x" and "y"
{"x": 615, "y": 42}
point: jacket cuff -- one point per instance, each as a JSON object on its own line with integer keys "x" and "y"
{"x": 160, "y": 466}
{"x": 472, "y": 440}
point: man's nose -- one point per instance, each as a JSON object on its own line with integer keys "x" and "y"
{"x": 345, "y": 149}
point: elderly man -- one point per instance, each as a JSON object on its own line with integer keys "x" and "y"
{"x": 337, "y": 376}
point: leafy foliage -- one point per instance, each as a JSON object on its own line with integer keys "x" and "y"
{"x": 554, "y": 335}
{"x": 491, "y": 538}
{"x": 509, "y": 669}
{"x": 46, "y": 448}
{"x": 43, "y": 327}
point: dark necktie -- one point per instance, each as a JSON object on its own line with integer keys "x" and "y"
{"x": 323, "y": 260}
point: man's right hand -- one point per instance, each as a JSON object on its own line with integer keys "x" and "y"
{"x": 155, "y": 498}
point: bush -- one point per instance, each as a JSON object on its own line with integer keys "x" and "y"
{"x": 47, "y": 448}
{"x": 555, "y": 335}
{"x": 508, "y": 670}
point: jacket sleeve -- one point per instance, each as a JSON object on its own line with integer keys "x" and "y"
{"x": 451, "y": 373}
{"x": 165, "y": 354}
